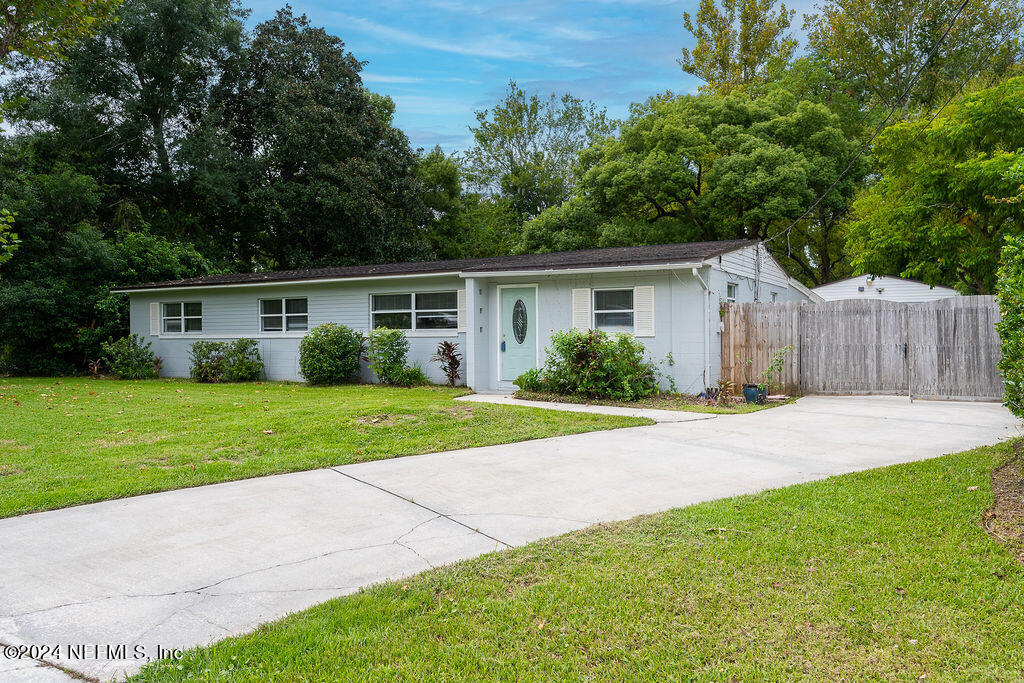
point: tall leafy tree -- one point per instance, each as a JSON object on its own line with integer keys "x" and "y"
{"x": 464, "y": 224}
{"x": 324, "y": 175}
{"x": 739, "y": 43}
{"x": 878, "y": 45}
{"x": 525, "y": 148}
{"x": 933, "y": 214}
{"x": 40, "y": 29}
{"x": 718, "y": 167}
{"x": 123, "y": 104}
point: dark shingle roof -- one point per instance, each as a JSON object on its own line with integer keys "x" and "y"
{"x": 687, "y": 252}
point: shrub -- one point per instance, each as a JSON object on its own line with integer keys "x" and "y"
{"x": 330, "y": 354}
{"x": 237, "y": 361}
{"x": 411, "y": 377}
{"x": 593, "y": 364}
{"x": 387, "y": 353}
{"x": 207, "y": 361}
{"x": 242, "y": 361}
{"x": 1010, "y": 286}
{"x": 531, "y": 380}
{"x": 448, "y": 356}
{"x": 130, "y": 358}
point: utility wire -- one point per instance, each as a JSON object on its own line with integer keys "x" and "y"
{"x": 878, "y": 128}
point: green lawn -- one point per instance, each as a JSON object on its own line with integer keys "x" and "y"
{"x": 73, "y": 440}
{"x": 683, "y": 402}
{"x": 885, "y": 574}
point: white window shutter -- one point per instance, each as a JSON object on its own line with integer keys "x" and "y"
{"x": 154, "y": 318}
{"x": 643, "y": 311}
{"x": 461, "y": 296}
{"x": 581, "y": 308}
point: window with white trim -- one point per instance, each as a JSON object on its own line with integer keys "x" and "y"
{"x": 284, "y": 315}
{"x": 730, "y": 292}
{"x": 420, "y": 311}
{"x": 181, "y": 316}
{"x": 613, "y": 310}
{"x": 775, "y": 296}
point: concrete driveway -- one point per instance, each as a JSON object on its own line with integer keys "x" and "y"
{"x": 188, "y": 567}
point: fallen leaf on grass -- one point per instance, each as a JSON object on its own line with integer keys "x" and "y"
{"x": 268, "y": 431}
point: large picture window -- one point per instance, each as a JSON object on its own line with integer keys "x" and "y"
{"x": 421, "y": 311}
{"x": 613, "y": 310}
{"x": 284, "y": 315}
{"x": 181, "y": 316}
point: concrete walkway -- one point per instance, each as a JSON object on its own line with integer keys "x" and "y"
{"x": 656, "y": 414}
{"x": 188, "y": 567}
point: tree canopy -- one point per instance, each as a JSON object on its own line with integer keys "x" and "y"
{"x": 526, "y": 147}
{"x": 739, "y": 43}
{"x": 933, "y": 214}
{"x": 714, "y": 167}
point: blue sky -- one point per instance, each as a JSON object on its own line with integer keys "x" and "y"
{"x": 441, "y": 60}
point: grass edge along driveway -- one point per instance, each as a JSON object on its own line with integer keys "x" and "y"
{"x": 68, "y": 441}
{"x": 882, "y": 574}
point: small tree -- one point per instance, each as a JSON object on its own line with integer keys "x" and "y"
{"x": 1010, "y": 286}
{"x": 387, "y": 353}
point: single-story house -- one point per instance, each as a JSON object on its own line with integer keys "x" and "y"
{"x": 883, "y": 288}
{"x": 501, "y": 311}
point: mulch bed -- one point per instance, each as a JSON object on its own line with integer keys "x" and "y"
{"x": 1005, "y": 519}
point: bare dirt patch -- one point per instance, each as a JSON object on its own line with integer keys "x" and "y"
{"x": 385, "y": 419}
{"x": 8, "y": 470}
{"x": 460, "y": 412}
{"x": 1005, "y": 519}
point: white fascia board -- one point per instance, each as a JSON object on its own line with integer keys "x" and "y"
{"x": 578, "y": 271}
{"x": 307, "y": 281}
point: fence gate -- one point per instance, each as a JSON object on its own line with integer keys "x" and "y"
{"x": 940, "y": 349}
{"x": 954, "y": 349}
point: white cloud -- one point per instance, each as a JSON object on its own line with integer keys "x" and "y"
{"x": 492, "y": 46}
{"x": 386, "y": 78}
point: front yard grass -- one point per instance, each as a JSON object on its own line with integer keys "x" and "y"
{"x": 74, "y": 440}
{"x": 683, "y": 402}
{"x": 884, "y": 574}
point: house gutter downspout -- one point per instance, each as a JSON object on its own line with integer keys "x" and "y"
{"x": 707, "y": 326}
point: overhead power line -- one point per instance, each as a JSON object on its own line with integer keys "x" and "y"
{"x": 878, "y": 128}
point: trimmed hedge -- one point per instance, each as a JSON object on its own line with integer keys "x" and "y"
{"x": 331, "y": 354}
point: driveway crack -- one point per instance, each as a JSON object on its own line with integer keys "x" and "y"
{"x": 450, "y": 518}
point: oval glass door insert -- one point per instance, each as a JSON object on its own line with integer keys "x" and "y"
{"x": 519, "y": 321}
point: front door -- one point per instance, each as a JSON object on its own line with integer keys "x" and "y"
{"x": 518, "y": 331}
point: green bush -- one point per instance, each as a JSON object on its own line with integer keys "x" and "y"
{"x": 236, "y": 361}
{"x": 387, "y": 352}
{"x": 592, "y": 364}
{"x": 531, "y": 380}
{"x": 242, "y": 361}
{"x": 130, "y": 358}
{"x": 1010, "y": 286}
{"x": 411, "y": 377}
{"x": 330, "y": 354}
{"x": 207, "y": 361}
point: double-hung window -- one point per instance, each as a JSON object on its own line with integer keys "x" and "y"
{"x": 420, "y": 311}
{"x": 613, "y": 310}
{"x": 181, "y": 316}
{"x": 730, "y": 292}
{"x": 284, "y": 315}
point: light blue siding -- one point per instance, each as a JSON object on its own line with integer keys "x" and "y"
{"x": 233, "y": 312}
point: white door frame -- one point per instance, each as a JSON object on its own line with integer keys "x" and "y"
{"x": 536, "y": 332}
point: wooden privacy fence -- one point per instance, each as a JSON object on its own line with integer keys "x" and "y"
{"x": 940, "y": 349}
